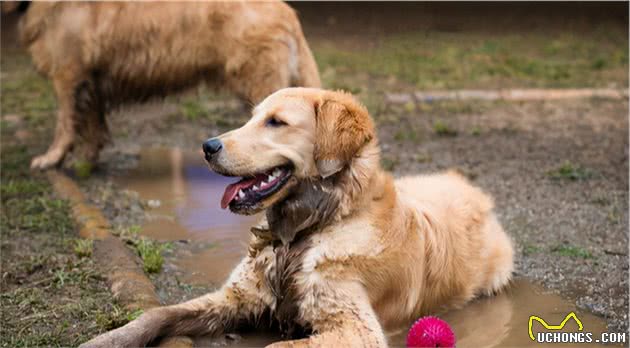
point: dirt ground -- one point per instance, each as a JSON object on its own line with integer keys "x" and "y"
{"x": 558, "y": 170}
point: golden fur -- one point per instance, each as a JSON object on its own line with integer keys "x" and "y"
{"x": 390, "y": 251}
{"x": 102, "y": 54}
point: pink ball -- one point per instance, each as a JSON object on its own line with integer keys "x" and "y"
{"x": 430, "y": 332}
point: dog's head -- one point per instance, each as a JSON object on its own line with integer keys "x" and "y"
{"x": 297, "y": 138}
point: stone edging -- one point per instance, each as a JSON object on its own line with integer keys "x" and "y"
{"x": 128, "y": 283}
{"x": 506, "y": 94}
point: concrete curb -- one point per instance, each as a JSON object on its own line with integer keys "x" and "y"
{"x": 506, "y": 94}
{"x": 127, "y": 281}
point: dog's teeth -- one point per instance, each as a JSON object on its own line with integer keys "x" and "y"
{"x": 270, "y": 178}
{"x": 276, "y": 172}
{"x": 241, "y": 194}
{"x": 255, "y": 188}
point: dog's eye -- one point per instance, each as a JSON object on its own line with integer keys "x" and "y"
{"x": 274, "y": 122}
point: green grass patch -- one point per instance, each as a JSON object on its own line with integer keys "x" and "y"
{"x": 530, "y": 249}
{"x": 193, "y": 109}
{"x": 25, "y": 92}
{"x": 83, "y": 247}
{"x": 150, "y": 251}
{"x": 441, "y": 60}
{"x": 15, "y": 188}
{"x": 410, "y": 135}
{"x": 82, "y": 168}
{"x": 572, "y": 251}
{"x": 389, "y": 163}
{"x": 570, "y": 171}
{"x": 444, "y": 130}
{"x": 151, "y": 254}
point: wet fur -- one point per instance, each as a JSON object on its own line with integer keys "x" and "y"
{"x": 100, "y": 55}
{"x": 347, "y": 253}
{"x": 309, "y": 207}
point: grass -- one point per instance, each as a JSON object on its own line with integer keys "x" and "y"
{"x": 82, "y": 169}
{"x": 50, "y": 286}
{"x": 150, "y": 251}
{"x": 203, "y": 107}
{"x": 192, "y": 109}
{"x": 410, "y": 135}
{"x": 25, "y": 92}
{"x": 50, "y": 289}
{"x": 441, "y": 60}
{"x": 389, "y": 163}
{"x": 422, "y": 157}
{"x": 52, "y": 294}
{"x": 83, "y": 247}
{"x": 442, "y": 129}
{"x": 530, "y": 249}
{"x": 570, "y": 171}
{"x": 151, "y": 254}
{"x": 572, "y": 251}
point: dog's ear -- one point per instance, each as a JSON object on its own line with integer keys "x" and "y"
{"x": 343, "y": 128}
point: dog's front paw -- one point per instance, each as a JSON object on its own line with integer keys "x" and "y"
{"x": 47, "y": 160}
{"x": 119, "y": 338}
{"x": 303, "y": 343}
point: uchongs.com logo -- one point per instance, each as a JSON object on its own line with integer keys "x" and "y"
{"x": 554, "y": 335}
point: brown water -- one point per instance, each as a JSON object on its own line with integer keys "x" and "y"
{"x": 189, "y": 196}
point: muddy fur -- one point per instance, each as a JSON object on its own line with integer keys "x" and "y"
{"x": 309, "y": 207}
{"x": 100, "y": 55}
{"x": 348, "y": 252}
{"x": 281, "y": 280}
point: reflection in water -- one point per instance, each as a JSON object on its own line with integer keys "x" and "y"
{"x": 502, "y": 320}
{"x": 190, "y": 194}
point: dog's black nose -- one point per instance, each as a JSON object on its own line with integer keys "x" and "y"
{"x": 212, "y": 146}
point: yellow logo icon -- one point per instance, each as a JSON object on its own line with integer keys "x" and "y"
{"x": 553, "y": 327}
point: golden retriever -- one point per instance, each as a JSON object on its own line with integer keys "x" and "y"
{"x": 345, "y": 251}
{"x": 102, "y": 54}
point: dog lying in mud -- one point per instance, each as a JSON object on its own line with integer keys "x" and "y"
{"x": 345, "y": 252}
{"x": 103, "y": 54}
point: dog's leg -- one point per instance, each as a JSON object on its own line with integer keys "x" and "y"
{"x": 341, "y": 316}
{"x": 92, "y": 128}
{"x": 243, "y": 298}
{"x": 94, "y": 135}
{"x": 65, "y": 128}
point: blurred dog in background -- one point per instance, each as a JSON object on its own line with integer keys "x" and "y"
{"x": 101, "y": 55}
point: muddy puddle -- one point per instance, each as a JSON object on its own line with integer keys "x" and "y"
{"x": 184, "y": 196}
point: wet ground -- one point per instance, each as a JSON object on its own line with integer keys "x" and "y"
{"x": 183, "y": 197}
{"x": 183, "y": 205}
{"x": 558, "y": 169}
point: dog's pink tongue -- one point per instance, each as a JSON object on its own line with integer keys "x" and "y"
{"x": 232, "y": 190}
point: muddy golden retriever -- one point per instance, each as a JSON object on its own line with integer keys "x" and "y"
{"x": 102, "y": 54}
{"x": 345, "y": 252}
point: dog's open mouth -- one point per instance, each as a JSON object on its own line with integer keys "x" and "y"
{"x": 251, "y": 190}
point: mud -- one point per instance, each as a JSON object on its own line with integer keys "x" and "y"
{"x": 183, "y": 205}
{"x": 185, "y": 196}
{"x": 570, "y": 232}
{"x": 502, "y": 320}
